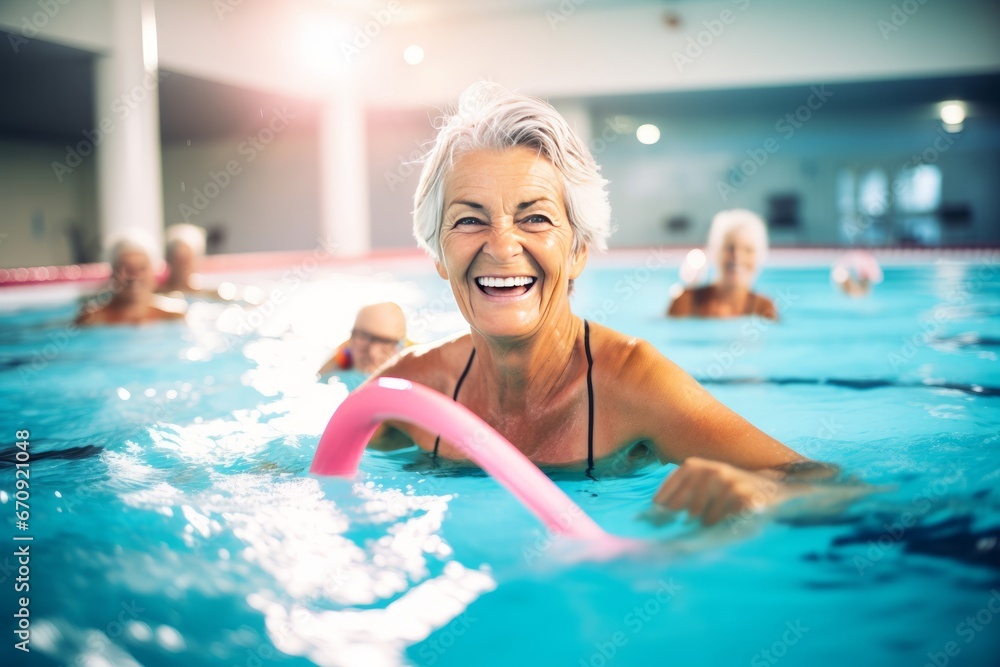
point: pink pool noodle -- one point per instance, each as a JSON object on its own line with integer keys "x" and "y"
{"x": 357, "y": 418}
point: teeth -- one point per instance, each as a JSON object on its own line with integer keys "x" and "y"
{"x": 505, "y": 282}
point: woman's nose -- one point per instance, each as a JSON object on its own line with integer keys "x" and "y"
{"x": 504, "y": 242}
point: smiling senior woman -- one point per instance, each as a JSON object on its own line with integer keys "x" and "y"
{"x": 508, "y": 204}
{"x": 737, "y": 246}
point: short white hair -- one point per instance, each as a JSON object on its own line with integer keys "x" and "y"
{"x": 491, "y": 117}
{"x": 190, "y": 235}
{"x": 132, "y": 240}
{"x": 737, "y": 219}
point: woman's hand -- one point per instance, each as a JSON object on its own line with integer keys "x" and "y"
{"x": 712, "y": 490}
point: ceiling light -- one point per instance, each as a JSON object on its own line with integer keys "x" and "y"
{"x": 647, "y": 134}
{"x": 413, "y": 55}
{"x": 952, "y": 112}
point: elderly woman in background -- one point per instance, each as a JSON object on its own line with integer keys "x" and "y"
{"x": 509, "y": 202}
{"x": 185, "y": 248}
{"x": 737, "y": 247}
{"x": 129, "y": 298}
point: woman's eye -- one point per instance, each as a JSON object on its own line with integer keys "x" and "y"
{"x": 536, "y": 219}
{"x": 468, "y": 221}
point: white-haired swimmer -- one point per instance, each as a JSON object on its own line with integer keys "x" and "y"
{"x": 129, "y": 297}
{"x": 508, "y": 204}
{"x": 379, "y": 333}
{"x": 737, "y": 248}
{"x": 185, "y": 246}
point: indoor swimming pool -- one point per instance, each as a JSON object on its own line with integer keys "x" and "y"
{"x": 174, "y": 520}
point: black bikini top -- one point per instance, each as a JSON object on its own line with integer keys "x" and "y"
{"x": 590, "y": 397}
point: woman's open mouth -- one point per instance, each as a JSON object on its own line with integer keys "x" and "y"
{"x": 510, "y": 286}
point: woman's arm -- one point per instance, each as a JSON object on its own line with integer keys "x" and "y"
{"x": 685, "y": 420}
{"x": 682, "y": 306}
{"x": 85, "y": 317}
{"x": 765, "y": 307}
{"x": 726, "y": 465}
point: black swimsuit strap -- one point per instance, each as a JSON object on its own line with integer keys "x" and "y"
{"x": 454, "y": 397}
{"x": 590, "y": 400}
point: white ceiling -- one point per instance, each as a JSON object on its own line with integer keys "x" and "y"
{"x": 614, "y": 55}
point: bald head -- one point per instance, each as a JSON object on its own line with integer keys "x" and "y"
{"x": 384, "y": 320}
{"x": 379, "y": 331}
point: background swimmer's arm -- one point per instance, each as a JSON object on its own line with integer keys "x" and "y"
{"x": 85, "y": 317}
{"x": 682, "y": 306}
{"x": 765, "y": 308}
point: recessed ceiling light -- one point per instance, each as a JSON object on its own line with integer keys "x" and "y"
{"x": 952, "y": 112}
{"x": 647, "y": 134}
{"x": 413, "y": 55}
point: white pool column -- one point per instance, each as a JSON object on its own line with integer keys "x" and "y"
{"x": 127, "y": 125}
{"x": 345, "y": 227}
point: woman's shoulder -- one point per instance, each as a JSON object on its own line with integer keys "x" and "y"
{"x": 436, "y": 365}
{"x": 633, "y": 377}
{"x": 623, "y": 353}
{"x": 686, "y": 303}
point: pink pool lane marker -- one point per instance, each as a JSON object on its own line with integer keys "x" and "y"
{"x": 355, "y": 421}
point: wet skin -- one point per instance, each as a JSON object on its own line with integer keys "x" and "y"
{"x": 730, "y": 294}
{"x": 133, "y": 301}
{"x": 505, "y": 218}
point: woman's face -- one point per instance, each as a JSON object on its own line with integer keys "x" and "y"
{"x": 181, "y": 260}
{"x": 133, "y": 276}
{"x": 506, "y": 241}
{"x": 738, "y": 259}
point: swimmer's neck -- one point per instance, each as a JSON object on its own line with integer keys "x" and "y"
{"x": 128, "y": 306}
{"x": 527, "y": 373}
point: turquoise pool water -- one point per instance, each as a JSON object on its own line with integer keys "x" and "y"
{"x": 174, "y": 522}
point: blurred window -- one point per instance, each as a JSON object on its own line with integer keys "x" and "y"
{"x": 919, "y": 189}
{"x": 846, "y": 183}
{"x": 873, "y": 193}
